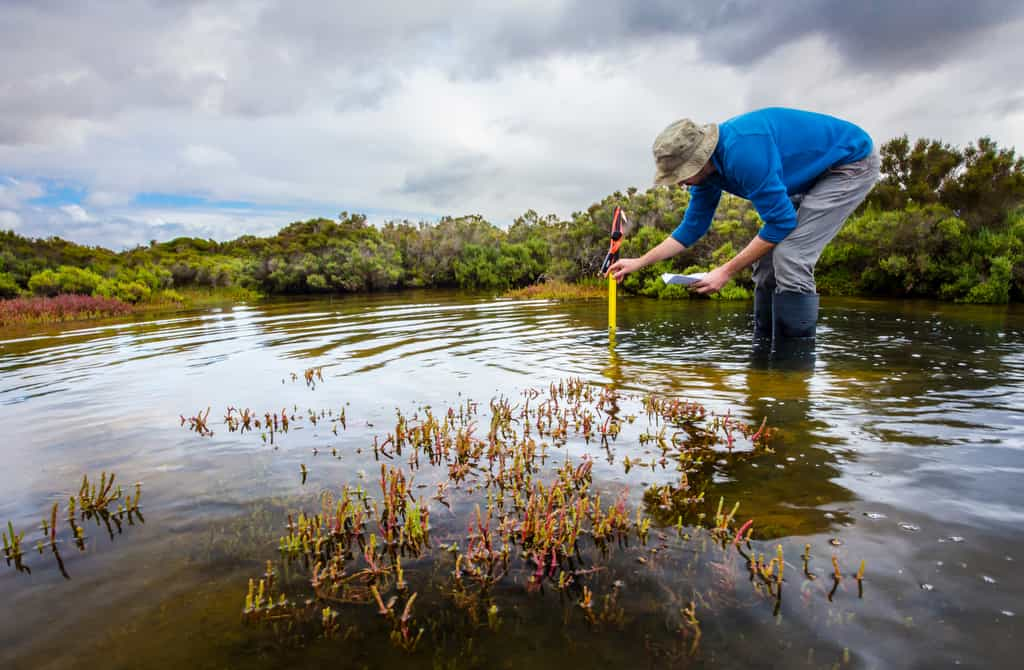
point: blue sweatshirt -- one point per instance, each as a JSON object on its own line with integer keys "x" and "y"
{"x": 766, "y": 156}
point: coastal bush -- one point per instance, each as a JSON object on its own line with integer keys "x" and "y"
{"x": 944, "y": 222}
{"x": 126, "y": 291}
{"x": 8, "y": 286}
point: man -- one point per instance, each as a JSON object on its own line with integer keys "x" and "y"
{"x": 805, "y": 173}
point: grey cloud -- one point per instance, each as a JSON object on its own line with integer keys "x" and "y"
{"x": 94, "y": 60}
{"x": 890, "y": 36}
{"x": 442, "y": 184}
{"x": 1005, "y": 106}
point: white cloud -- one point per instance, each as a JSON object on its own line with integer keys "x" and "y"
{"x": 13, "y": 192}
{"x": 202, "y": 155}
{"x": 105, "y": 199}
{"x": 76, "y": 213}
{"x": 121, "y": 228}
{"x": 9, "y": 220}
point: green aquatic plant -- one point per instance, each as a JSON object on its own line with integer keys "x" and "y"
{"x": 860, "y": 578}
{"x": 836, "y": 577}
{"x": 94, "y": 498}
{"x": 691, "y": 626}
{"x": 100, "y": 501}
{"x": 260, "y": 604}
{"x": 402, "y": 636}
{"x": 12, "y": 548}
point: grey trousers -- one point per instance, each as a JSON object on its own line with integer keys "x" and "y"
{"x": 821, "y": 212}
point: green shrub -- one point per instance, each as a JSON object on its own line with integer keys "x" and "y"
{"x": 996, "y": 288}
{"x": 673, "y": 292}
{"x": 79, "y": 281}
{"x": 133, "y": 291}
{"x": 45, "y": 283}
{"x": 8, "y": 286}
{"x": 732, "y": 291}
{"x": 126, "y": 291}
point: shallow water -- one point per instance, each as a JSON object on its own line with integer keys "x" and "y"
{"x": 903, "y": 439}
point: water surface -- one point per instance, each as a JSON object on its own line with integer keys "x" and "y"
{"x": 901, "y": 441}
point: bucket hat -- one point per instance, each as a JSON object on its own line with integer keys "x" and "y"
{"x": 682, "y": 149}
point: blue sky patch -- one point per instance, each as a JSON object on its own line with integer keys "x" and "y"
{"x": 187, "y": 201}
{"x": 58, "y": 193}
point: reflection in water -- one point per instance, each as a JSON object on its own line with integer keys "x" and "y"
{"x": 793, "y": 485}
{"x": 613, "y": 371}
{"x": 911, "y": 416}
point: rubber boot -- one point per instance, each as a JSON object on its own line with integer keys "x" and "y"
{"x": 762, "y": 345}
{"x": 763, "y": 313}
{"x": 794, "y": 322}
{"x": 794, "y": 315}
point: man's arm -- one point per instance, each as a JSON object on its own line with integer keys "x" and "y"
{"x": 700, "y": 209}
{"x": 665, "y": 249}
{"x": 758, "y": 169}
{"x": 703, "y": 202}
{"x": 717, "y": 278}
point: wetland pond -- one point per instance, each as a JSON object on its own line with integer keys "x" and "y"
{"x": 435, "y": 480}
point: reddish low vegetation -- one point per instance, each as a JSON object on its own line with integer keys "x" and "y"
{"x": 560, "y": 290}
{"x": 59, "y": 308}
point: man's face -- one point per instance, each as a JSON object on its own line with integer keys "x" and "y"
{"x": 700, "y": 176}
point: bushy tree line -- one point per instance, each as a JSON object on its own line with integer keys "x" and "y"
{"x": 943, "y": 222}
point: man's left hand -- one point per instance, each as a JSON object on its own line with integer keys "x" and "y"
{"x": 712, "y": 281}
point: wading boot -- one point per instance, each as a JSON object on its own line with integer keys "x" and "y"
{"x": 763, "y": 313}
{"x": 794, "y": 321}
{"x": 763, "y": 321}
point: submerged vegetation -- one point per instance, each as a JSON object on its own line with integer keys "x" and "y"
{"x": 944, "y": 222}
{"x": 474, "y": 511}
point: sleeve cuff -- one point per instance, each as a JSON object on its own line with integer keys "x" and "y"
{"x": 685, "y": 237}
{"x": 775, "y": 233}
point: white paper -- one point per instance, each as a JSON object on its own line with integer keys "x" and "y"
{"x": 685, "y": 280}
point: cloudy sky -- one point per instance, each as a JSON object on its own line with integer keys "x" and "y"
{"x": 124, "y": 122}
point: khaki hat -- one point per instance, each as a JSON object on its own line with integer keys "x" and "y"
{"x": 682, "y": 149}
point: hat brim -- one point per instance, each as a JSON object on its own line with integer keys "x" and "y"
{"x": 693, "y": 165}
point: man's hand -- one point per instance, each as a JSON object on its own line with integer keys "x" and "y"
{"x": 720, "y": 276}
{"x": 622, "y": 267}
{"x": 712, "y": 281}
{"x": 667, "y": 248}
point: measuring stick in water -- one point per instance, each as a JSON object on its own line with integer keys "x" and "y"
{"x": 612, "y": 285}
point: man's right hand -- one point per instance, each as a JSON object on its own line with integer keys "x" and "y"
{"x": 622, "y": 267}
{"x": 668, "y": 248}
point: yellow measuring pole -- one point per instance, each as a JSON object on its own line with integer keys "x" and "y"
{"x": 611, "y": 303}
{"x": 609, "y": 260}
